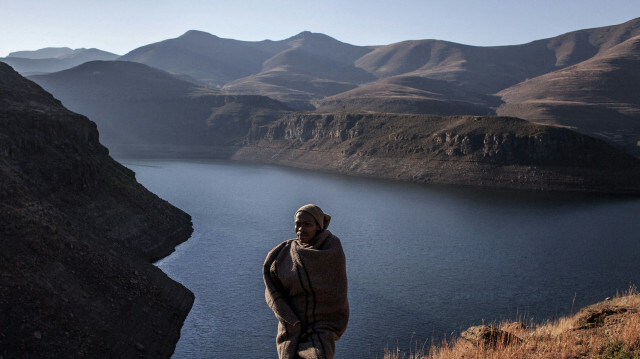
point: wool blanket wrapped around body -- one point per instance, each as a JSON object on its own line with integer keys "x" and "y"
{"x": 306, "y": 287}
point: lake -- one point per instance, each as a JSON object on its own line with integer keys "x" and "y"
{"x": 424, "y": 262}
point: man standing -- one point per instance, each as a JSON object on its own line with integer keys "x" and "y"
{"x": 306, "y": 287}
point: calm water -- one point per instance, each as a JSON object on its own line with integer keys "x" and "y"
{"x": 423, "y": 262}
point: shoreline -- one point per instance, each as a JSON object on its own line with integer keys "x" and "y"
{"x": 408, "y": 170}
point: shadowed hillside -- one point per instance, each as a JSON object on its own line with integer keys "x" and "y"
{"x": 78, "y": 238}
{"x": 135, "y": 104}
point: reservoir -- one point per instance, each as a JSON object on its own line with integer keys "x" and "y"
{"x": 424, "y": 262}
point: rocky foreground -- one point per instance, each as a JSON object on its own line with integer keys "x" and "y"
{"x": 78, "y": 235}
{"x": 606, "y": 330}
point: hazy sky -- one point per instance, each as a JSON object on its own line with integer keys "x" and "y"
{"x": 122, "y": 25}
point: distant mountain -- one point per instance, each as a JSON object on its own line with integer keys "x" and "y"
{"x": 491, "y": 69}
{"x": 133, "y": 103}
{"x": 599, "y": 96}
{"x": 53, "y": 59}
{"x": 212, "y": 60}
{"x": 78, "y": 238}
{"x": 293, "y": 70}
{"x": 312, "y": 66}
{"x": 313, "y": 71}
{"x": 46, "y": 53}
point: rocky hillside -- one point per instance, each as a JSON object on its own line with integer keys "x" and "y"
{"x": 598, "y": 96}
{"x": 490, "y": 152}
{"x": 79, "y": 235}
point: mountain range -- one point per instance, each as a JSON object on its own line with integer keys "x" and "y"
{"x": 315, "y": 72}
{"x": 142, "y": 111}
{"x": 201, "y": 95}
{"x": 52, "y": 59}
{"x": 556, "y": 81}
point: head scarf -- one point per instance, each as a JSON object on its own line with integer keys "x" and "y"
{"x": 322, "y": 218}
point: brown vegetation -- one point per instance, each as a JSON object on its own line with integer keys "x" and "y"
{"x": 606, "y": 330}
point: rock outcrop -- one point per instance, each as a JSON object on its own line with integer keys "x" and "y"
{"x": 489, "y": 335}
{"x": 78, "y": 236}
{"x": 491, "y": 152}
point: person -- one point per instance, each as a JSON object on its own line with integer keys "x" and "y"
{"x": 306, "y": 287}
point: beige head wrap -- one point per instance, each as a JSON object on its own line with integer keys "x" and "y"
{"x": 322, "y": 218}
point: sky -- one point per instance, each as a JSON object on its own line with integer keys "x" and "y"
{"x": 120, "y": 26}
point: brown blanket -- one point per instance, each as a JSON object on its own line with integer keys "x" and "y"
{"x": 306, "y": 287}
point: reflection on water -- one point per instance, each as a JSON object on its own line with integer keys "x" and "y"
{"x": 423, "y": 262}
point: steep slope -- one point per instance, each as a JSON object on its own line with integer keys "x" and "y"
{"x": 135, "y": 104}
{"x": 599, "y": 96}
{"x": 209, "y": 59}
{"x": 78, "y": 238}
{"x": 491, "y": 152}
{"x": 490, "y": 69}
{"x": 53, "y": 59}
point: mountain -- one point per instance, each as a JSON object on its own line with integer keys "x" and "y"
{"x": 598, "y": 96}
{"x": 79, "y": 236}
{"x": 53, "y": 59}
{"x": 133, "y": 103}
{"x": 212, "y": 60}
{"x": 46, "y": 53}
{"x": 294, "y": 70}
{"x": 313, "y": 71}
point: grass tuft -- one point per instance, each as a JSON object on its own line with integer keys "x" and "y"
{"x": 606, "y": 330}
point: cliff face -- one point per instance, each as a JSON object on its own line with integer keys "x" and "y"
{"x": 497, "y": 152}
{"x": 78, "y": 235}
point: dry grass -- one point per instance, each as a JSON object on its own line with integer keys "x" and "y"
{"x": 606, "y": 330}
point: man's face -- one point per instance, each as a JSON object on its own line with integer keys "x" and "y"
{"x": 306, "y": 227}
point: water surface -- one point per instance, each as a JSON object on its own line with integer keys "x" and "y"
{"x": 423, "y": 262}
